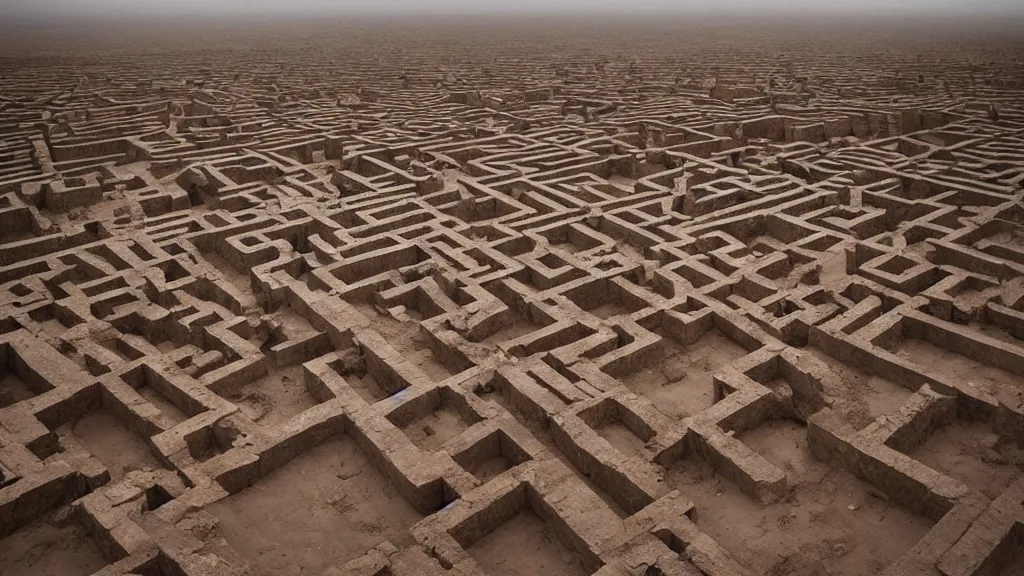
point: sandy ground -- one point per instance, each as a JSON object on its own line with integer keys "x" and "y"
{"x": 49, "y": 547}
{"x": 322, "y": 509}
{"x": 829, "y": 523}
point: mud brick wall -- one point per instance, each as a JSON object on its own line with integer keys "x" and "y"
{"x": 362, "y": 302}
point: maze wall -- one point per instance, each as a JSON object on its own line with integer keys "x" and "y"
{"x": 482, "y": 299}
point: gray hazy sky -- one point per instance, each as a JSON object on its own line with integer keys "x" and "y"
{"x": 306, "y": 8}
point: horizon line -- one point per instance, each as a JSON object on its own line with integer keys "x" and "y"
{"x": 1003, "y": 19}
{"x": 640, "y": 11}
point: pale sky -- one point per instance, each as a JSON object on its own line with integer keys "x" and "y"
{"x": 307, "y": 8}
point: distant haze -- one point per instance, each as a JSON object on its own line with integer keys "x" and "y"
{"x": 318, "y": 8}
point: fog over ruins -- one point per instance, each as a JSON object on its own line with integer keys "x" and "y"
{"x": 546, "y": 288}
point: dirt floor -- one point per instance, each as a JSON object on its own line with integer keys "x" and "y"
{"x": 274, "y": 398}
{"x": 523, "y": 546}
{"x": 13, "y": 389}
{"x": 50, "y": 547}
{"x": 322, "y": 509}
{"x": 433, "y": 430}
{"x": 679, "y": 381}
{"x": 106, "y": 438}
{"x": 861, "y": 397}
{"x": 973, "y": 454}
{"x": 828, "y": 523}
